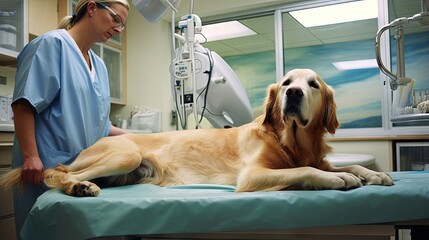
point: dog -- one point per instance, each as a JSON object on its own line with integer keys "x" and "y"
{"x": 282, "y": 149}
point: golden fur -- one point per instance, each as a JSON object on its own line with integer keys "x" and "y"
{"x": 282, "y": 149}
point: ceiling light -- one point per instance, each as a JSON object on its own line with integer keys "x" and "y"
{"x": 225, "y": 30}
{"x": 356, "y": 64}
{"x": 338, "y": 13}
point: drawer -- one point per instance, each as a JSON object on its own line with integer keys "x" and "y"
{"x": 5, "y": 154}
{"x": 7, "y": 228}
{"x": 6, "y": 137}
{"x": 6, "y": 202}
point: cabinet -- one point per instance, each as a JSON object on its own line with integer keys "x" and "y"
{"x": 412, "y": 156}
{"x": 112, "y": 57}
{"x": 7, "y": 221}
{"x": 13, "y": 30}
{"x": 21, "y": 21}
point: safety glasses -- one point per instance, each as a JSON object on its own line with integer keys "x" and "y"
{"x": 116, "y": 18}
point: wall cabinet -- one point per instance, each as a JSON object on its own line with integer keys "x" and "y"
{"x": 21, "y": 21}
{"x": 7, "y": 221}
{"x": 13, "y": 30}
{"x": 112, "y": 57}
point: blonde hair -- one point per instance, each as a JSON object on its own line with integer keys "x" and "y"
{"x": 68, "y": 22}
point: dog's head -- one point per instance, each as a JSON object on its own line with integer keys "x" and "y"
{"x": 301, "y": 98}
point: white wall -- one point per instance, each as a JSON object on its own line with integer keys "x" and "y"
{"x": 148, "y": 61}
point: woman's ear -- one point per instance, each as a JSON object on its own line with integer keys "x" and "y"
{"x": 90, "y": 8}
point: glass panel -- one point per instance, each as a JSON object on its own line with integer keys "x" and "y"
{"x": 117, "y": 38}
{"x": 97, "y": 49}
{"x": 73, "y": 4}
{"x": 12, "y": 24}
{"x": 416, "y": 59}
{"x": 358, "y": 90}
{"x": 112, "y": 59}
{"x": 252, "y": 58}
{"x": 412, "y": 156}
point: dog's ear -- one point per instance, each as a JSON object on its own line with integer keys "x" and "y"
{"x": 270, "y": 114}
{"x": 330, "y": 118}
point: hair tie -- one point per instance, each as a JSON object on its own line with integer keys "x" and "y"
{"x": 74, "y": 17}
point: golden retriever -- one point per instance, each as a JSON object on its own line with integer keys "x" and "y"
{"x": 284, "y": 148}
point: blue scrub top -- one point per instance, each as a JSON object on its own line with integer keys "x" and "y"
{"x": 72, "y": 108}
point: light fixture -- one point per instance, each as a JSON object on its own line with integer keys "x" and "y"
{"x": 225, "y": 30}
{"x": 356, "y": 64}
{"x": 153, "y": 10}
{"x": 338, "y": 13}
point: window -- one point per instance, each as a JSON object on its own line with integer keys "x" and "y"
{"x": 324, "y": 49}
{"x": 251, "y": 57}
{"x": 343, "y": 53}
{"x": 416, "y": 58}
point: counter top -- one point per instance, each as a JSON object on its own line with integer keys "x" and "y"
{"x": 7, "y": 127}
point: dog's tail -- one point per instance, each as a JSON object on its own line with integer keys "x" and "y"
{"x": 53, "y": 176}
{"x": 10, "y": 179}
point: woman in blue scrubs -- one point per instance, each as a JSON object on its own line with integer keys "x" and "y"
{"x": 61, "y": 100}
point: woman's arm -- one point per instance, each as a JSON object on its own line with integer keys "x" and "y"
{"x": 116, "y": 131}
{"x": 32, "y": 167}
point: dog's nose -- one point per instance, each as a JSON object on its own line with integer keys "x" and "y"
{"x": 294, "y": 92}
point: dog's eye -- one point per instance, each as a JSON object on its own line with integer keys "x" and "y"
{"x": 313, "y": 84}
{"x": 286, "y": 82}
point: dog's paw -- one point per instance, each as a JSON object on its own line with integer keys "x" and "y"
{"x": 338, "y": 180}
{"x": 84, "y": 189}
{"x": 347, "y": 180}
{"x": 378, "y": 178}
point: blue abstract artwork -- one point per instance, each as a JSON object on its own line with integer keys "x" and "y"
{"x": 358, "y": 92}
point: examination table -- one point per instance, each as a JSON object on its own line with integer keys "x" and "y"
{"x": 214, "y": 211}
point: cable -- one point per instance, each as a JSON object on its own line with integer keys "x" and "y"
{"x": 178, "y": 110}
{"x": 185, "y": 116}
{"x": 205, "y": 38}
{"x": 206, "y": 89}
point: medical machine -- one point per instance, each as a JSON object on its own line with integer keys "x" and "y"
{"x": 203, "y": 84}
{"x": 398, "y": 24}
{"x": 403, "y": 106}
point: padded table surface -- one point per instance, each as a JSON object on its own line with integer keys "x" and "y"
{"x": 149, "y": 209}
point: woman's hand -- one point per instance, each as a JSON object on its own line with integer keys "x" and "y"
{"x": 32, "y": 171}
{"x": 114, "y": 131}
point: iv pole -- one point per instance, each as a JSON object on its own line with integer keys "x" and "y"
{"x": 185, "y": 63}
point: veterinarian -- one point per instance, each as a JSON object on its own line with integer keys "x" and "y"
{"x": 61, "y": 99}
